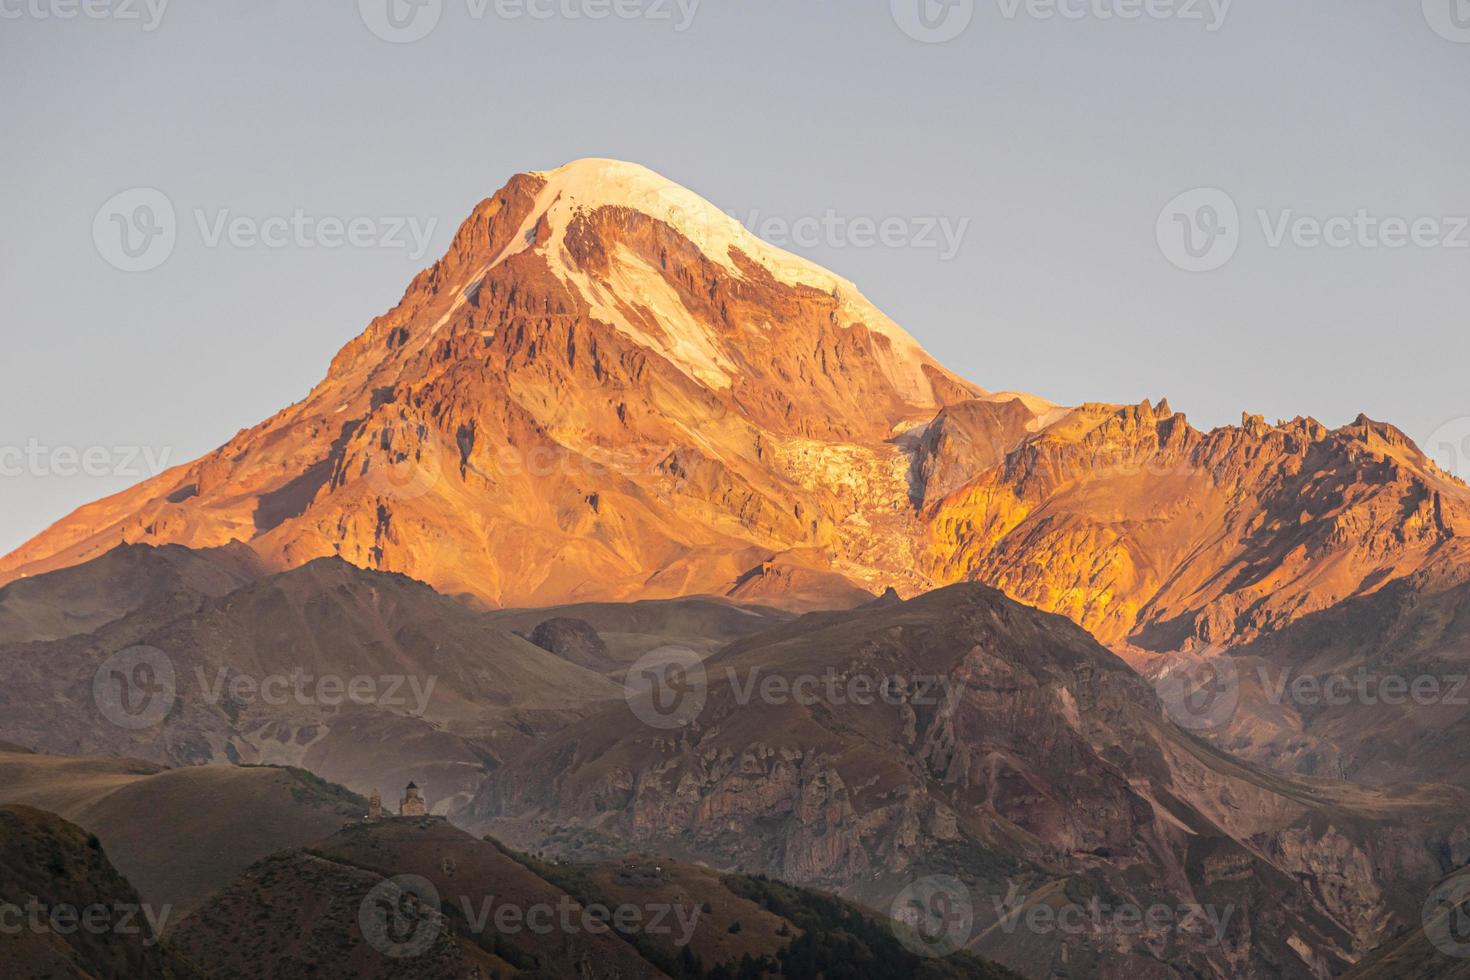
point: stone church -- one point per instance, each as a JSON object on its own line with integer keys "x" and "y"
{"x": 412, "y": 804}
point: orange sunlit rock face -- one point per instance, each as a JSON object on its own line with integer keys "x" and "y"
{"x": 1150, "y": 533}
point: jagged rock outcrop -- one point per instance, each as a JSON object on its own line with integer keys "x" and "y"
{"x": 1150, "y": 533}
{"x": 574, "y": 640}
{"x": 1009, "y": 748}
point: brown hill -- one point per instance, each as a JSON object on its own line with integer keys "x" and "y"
{"x": 330, "y": 910}
{"x": 70, "y": 915}
{"x": 364, "y": 678}
{"x": 295, "y": 915}
{"x": 178, "y": 835}
{"x": 86, "y": 597}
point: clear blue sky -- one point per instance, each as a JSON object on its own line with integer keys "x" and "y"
{"x": 1058, "y": 139}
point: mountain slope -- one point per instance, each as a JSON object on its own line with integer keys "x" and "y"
{"x": 1375, "y": 689}
{"x": 607, "y": 390}
{"x": 48, "y": 866}
{"x": 1436, "y": 949}
{"x": 367, "y": 679}
{"x": 1013, "y": 753}
{"x": 179, "y": 834}
{"x": 482, "y": 907}
{"x": 1152, "y": 534}
{"x": 86, "y": 597}
{"x": 295, "y": 915}
{"x": 623, "y": 632}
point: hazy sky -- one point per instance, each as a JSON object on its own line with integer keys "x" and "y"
{"x": 1047, "y": 146}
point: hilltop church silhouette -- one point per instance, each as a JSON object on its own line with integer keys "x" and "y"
{"x": 412, "y": 804}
